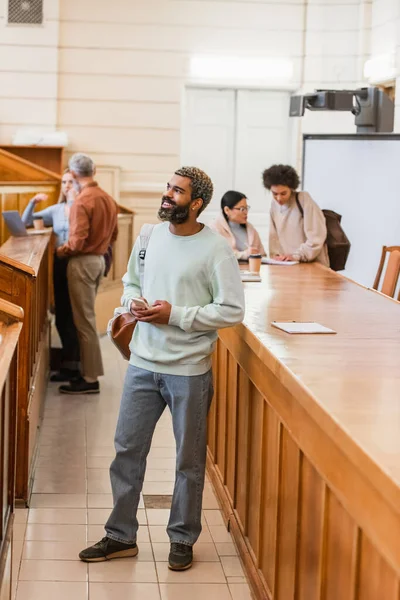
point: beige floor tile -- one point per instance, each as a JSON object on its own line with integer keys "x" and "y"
{"x": 162, "y": 453}
{"x": 219, "y": 533}
{"x": 124, "y": 591}
{"x": 101, "y": 451}
{"x": 227, "y": 549}
{"x": 56, "y": 533}
{"x": 240, "y": 591}
{"x": 209, "y": 501}
{"x": 235, "y": 580}
{"x": 214, "y": 517}
{"x": 64, "y": 439}
{"x": 98, "y": 516}
{"x": 51, "y": 590}
{"x": 127, "y": 570}
{"x": 188, "y": 591}
{"x": 232, "y": 566}
{"x": 51, "y": 451}
{"x": 160, "y": 475}
{"x": 96, "y": 533}
{"x": 98, "y": 462}
{"x": 152, "y": 488}
{"x": 58, "y": 501}
{"x": 14, "y": 589}
{"x": 52, "y": 550}
{"x": 19, "y": 530}
{"x": 60, "y": 487}
{"x": 53, "y": 570}
{"x": 100, "y": 501}
{"x": 145, "y": 552}
{"x": 98, "y": 481}
{"x": 57, "y": 516}
{"x": 201, "y": 572}
{"x": 161, "y": 463}
{"x": 20, "y": 516}
{"x": 201, "y": 552}
{"x": 57, "y": 474}
{"x": 158, "y": 516}
{"x": 77, "y": 461}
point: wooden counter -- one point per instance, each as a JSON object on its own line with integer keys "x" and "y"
{"x": 25, "y": 276}
{"x": 304, "y": 438}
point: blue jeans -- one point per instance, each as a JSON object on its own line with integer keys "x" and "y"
{"x": 144, "y": 399}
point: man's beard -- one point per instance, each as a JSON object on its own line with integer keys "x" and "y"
{"x": 176, "y": 214}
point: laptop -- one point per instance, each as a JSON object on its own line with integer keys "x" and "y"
{"x": 15, "y": 225}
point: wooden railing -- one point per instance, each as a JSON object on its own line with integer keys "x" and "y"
{"x": 304, "y": 445}
{"x": 20, "y": 180}
{"x": 11, "y": 317}
{"x": 25, "y": 276}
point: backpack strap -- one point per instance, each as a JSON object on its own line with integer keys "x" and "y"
{"x": 145, "y": 235}
{"x": 299, "y": 206}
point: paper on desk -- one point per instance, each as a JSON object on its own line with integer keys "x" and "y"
{"x": 272, "y": 261}
{"x": 249, "y": 276}
{"x": 302, "y": 327}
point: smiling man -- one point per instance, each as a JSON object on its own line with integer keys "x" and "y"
{"x": 193, "y": 288}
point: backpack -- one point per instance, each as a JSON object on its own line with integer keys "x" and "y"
{"x": 337, "y": 242}
{"x": 121, "y": 327}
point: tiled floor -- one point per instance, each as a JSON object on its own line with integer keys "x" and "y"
{"x": 72, "y": 499}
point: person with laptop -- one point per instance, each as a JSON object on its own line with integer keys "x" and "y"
{"x": 57, "y": 217}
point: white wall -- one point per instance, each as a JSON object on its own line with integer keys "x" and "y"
{"x": 385, "y": 39}
{"x": 112, "y": 74}
{"x": 28, "y": 73}
{"x": 123, "y": 70}
{"x": 337, "y": 39}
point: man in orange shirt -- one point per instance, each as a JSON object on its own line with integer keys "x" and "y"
{"x": 93, "y": 227}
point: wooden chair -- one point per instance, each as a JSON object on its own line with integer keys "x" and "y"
{"x": 392, "y": 273}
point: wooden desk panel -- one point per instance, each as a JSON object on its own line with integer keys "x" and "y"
{"x": 25, "y": 276}
{"x": 10, "y": 329}
{"x": 304, "y": 444}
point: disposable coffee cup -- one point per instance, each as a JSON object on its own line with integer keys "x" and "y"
{"x": 255, "y": 263}
{"x": 38, "y": 223}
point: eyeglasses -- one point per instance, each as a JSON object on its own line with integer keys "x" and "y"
{"x": 243, "y": 209}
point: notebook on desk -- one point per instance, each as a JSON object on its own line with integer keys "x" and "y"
{"x": 305, "y": 327}
{"x": 272, "y": 261}
{"x": 249, "y": 276}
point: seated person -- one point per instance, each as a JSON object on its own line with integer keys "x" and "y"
{"x": 233, "y": 225}
{"x": 293, "y": 235}
{"x": 57, "y": 216}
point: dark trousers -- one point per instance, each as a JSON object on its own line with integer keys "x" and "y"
{"x": 70, "y": 355}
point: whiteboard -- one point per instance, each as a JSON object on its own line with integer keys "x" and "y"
{"x": 356, "y": 176}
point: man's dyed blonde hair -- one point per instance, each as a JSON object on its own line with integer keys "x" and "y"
{"x": 202, "y": 186}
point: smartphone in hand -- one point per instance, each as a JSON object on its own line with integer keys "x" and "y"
{"x": 139, "y": 303}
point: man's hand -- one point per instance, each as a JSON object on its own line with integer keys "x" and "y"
{"x": 59, "y": 252}
{"x": 158, "y": 314}
{"x": 71, "y": 195}
{"x": 285, "y": 257}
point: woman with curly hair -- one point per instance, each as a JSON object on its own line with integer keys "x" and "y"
{"x": 297, "y": 224}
